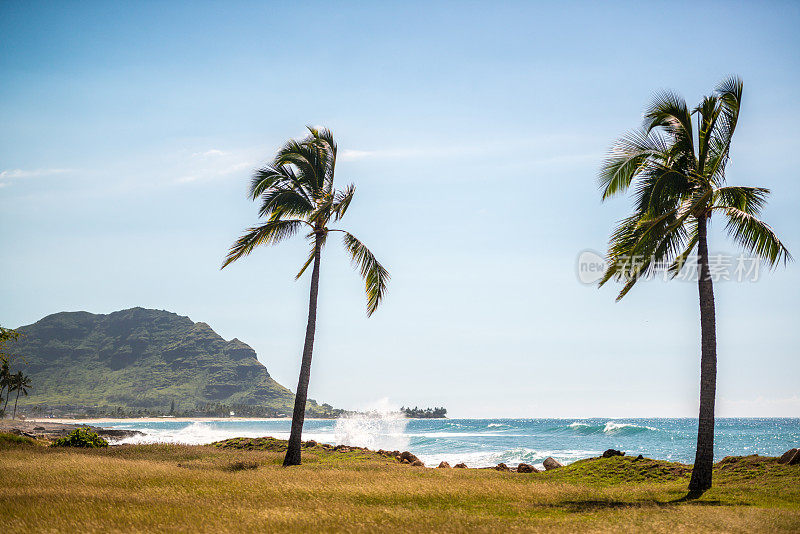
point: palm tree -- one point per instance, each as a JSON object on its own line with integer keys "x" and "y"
{"x": 678, "y": 182}
{"x": 21, "y": 384}
{"x": 297, "y": 192}
{"x": 5, "y": 382}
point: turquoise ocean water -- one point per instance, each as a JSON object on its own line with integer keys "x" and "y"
{"x": 486, "y": 442}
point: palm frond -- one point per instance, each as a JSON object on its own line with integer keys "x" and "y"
{"x": 729, "y": 94}
{"x": 270, "y": 233}
{"x": 708, "y": 111}
{"x": 669, "y": 112}
{"x": 324, "y": 139}
{"x": 342, "y": 201}
{"x": 277, "y": 203}
{"x": 627, "y": 158}
{"x": 374, "y": 274}
{"x": 307, "y": 158}
{"x": 747, "y": 199}
{"x": 680, "y": 260}
{"x": 755, "y": 236}
{"x": 276, "y": 177}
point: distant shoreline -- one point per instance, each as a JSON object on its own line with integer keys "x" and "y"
{"x": 96, "y": 420}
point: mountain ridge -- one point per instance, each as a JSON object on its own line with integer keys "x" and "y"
{"x": 142, "y": 360}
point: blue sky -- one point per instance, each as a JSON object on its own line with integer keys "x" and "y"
{"x": 473, "y": 132}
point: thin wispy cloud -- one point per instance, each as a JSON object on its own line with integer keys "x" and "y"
{"x": 209, "y": 153}
{"x": 214, "y": 163}
{"x": 9, "y": 175}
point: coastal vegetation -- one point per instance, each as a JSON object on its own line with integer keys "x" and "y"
{"x": 297, "y": 193}
{"x": 158, "y": 487}
{"x": 677, "y": 174}
{"x": 81, "y": 437}
{"x": 10, "y": 382}
{"x": 426, "y": 413}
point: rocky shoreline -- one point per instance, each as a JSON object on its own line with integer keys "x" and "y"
{"x": 51, "y": 431}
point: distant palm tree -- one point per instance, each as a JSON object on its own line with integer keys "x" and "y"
{"x": 5, "y": 382}
{"x": 679, "y": 183}
{"x": 21, "y": 383}
{"x": 297, "y": 192}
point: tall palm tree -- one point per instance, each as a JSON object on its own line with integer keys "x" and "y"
{"x": 22, "y": 383}
{"x": 296, "y": 192}
{"x": 678, "y": 180}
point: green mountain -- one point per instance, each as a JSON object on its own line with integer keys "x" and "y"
{"x": 140, "y": 361}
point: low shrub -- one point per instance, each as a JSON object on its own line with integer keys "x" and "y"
{"x": 81, "y": 437}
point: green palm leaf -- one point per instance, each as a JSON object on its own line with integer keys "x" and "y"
{"x": 374, "y": 274}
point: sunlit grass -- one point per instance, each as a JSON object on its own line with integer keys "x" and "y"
{"x": 207, "y": 489}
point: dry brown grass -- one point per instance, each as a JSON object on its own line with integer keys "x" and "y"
{"x": 175, "y": 488}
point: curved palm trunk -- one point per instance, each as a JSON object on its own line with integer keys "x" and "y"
{"x": 299, "y": 414}
{"x": 704, "y": 457}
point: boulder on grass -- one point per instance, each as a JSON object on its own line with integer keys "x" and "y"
{"x": 502, "y": 467}
{"x": 788, "y": 456}
{"x": 551, "y": 463}
{"x": 526, "y": 468}
{"x": 405, "y": 455}
{"x": 417, "y": 463}
{"x": 443, "y": 465}
{"x": 460, "y": 466}
{"x": 612, "y": 452}
{"x": 311, "y": 443}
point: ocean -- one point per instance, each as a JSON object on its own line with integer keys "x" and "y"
{"x": 487, "y": 442}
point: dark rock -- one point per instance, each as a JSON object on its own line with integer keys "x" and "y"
{"x": 311, "y": 443}
{"x": 116, "y": 432}
{"x": 551, "y": 463}
{"x": 795, "y": 459}
{"x": 502, "y": 467}
{"x": 526, "y": 468}
{"x": 460, "y": 466}
{"x": 787, "y": 456}
{"x": 417, "y": 463}
{"x": 612, "y": 452}
{"x": 640, "y": 457}
{"x": 405, "y": 455}
{"x": 443, "y": 465}
{"x": 39, "y": 428}
{"x": 404, "y": 461}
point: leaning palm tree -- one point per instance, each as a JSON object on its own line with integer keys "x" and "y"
{"x": 296, "y": 192}
{"x": 22, "y": 383}
{"x": 678, "y": 181}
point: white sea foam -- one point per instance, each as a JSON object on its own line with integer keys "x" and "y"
{"x": 510, "y": 457}
{"x": 381, "y": 426}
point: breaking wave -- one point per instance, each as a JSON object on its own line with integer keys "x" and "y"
{"x": 609, "y": 428}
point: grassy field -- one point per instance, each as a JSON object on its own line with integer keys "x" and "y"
{"x": 159, "y": 488}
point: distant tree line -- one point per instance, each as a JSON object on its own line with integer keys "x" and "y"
{"x": 175, "y": 410}
{"x": 427, "y": 413}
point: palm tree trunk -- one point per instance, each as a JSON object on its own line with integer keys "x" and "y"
{"x": 704, "y": 457}
{"x": 15, "y": 404}
{"x": 299, "y": 414}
